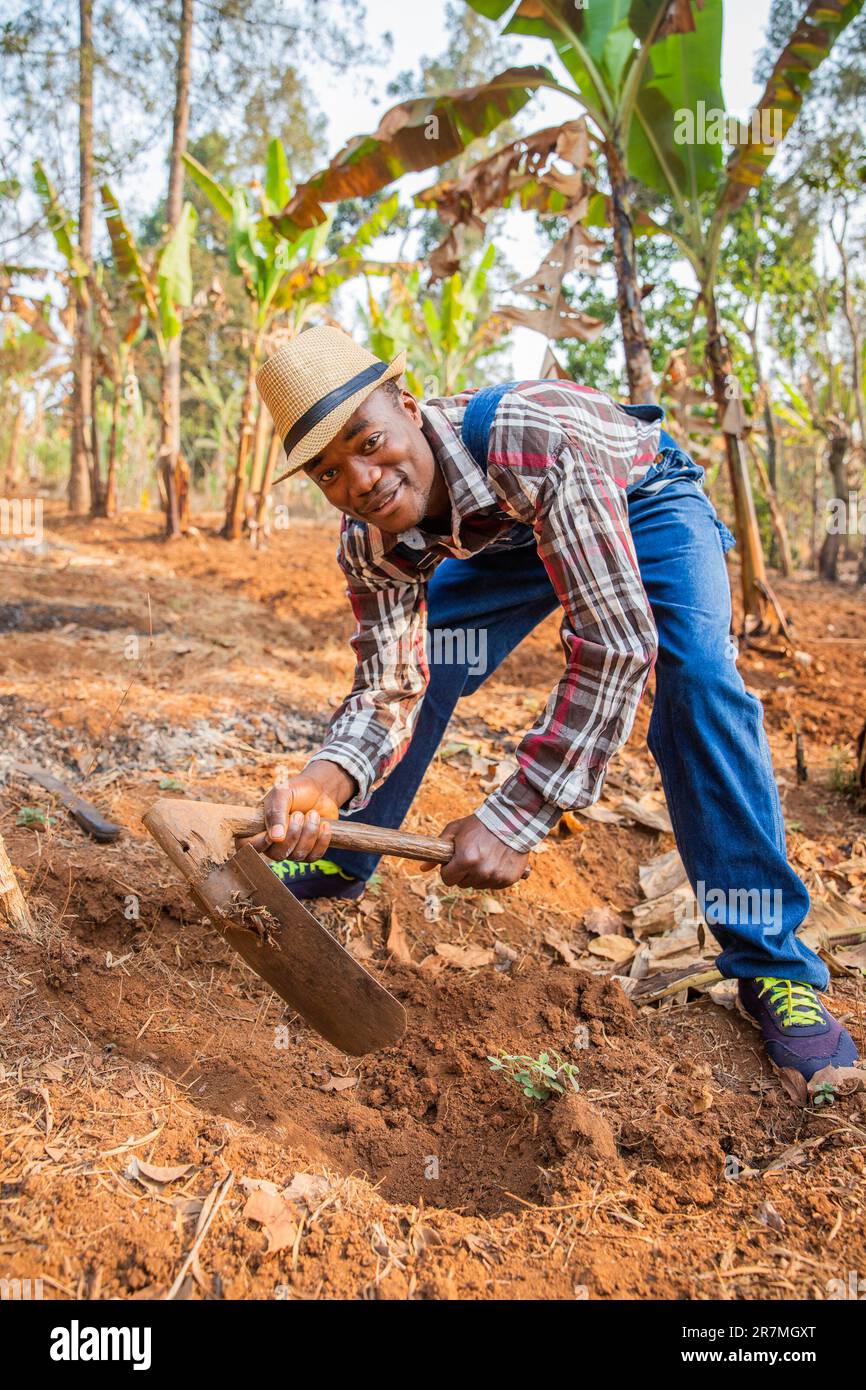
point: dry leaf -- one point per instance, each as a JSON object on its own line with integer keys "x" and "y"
{"x": 570, "y": 825}
{"x": 601, "y": 812}
{"x": 278, "y": 1218}
{"x": 558, "y": 943}
{"x": 769, "y": 1216}
{"x": 361, "y": 948}
{"x": 615, "y": 948}
{"x": 723, "y": 992}
{"x": 339, "y": 1083}
{"x": 465, "y": 957}
{"x": 152, "y": 1172}
{"x": 650, "y": 811}
{"x": 794, "y": 1085}
{"x": 309, "y": 1188}
{"x": 844, "y": 1080}
{"x": 505, "y": 955}
{"x": 603, "y": 921}
{"x": 418, "y": 885}
{"x": 488, "y": 904}
{"x": 671, "y": 909}
{"x": 704, "y": 1103}
{"x": 851, "y": 957}
{"x": 501, "y": 772}
{"x": 662, "y": 875}
{"x": 397, "y": 942}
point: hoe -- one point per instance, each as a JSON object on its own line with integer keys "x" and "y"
{"x": 273, "y": 932}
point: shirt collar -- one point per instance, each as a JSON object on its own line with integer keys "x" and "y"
{"x": 467, "y": 484}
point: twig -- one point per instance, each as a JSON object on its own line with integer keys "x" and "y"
{"x": 212, "y": 1203}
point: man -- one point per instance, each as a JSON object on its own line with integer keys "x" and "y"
{"x": 481, "y": 514}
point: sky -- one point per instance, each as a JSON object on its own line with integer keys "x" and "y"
{"x": 419, "y": 29}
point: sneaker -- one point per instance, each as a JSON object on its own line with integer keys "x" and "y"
{"x": 319, "y": 878}
{"x": 798, "y": 1031}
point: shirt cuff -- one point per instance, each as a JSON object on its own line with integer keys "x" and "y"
{"x": 518, "y": 815}
{"x": 349, "y": 757}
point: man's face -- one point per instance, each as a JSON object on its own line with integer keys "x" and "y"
{"x": 380, "y": 468}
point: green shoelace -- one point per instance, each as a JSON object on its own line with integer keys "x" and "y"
{"x": 298, "y": 868}
{"x": 794, "y": 1004}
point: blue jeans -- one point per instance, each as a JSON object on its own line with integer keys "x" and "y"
{"x": 706, "y": 731}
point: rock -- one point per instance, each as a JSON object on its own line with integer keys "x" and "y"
{"x": 575, "y": 1124}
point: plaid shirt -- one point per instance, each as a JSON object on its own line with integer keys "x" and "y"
{"x": 560, "y": 458}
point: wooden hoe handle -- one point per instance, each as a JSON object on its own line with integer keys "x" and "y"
{"x": 347, "y": 834}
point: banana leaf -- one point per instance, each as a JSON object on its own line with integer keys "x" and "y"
{"x": 59, "y": 221}
{"x": 810, "y": 43}
{"x": 414, "y": 135}
{"x": 174, "y": 273}
{"x": 128, "y": 261}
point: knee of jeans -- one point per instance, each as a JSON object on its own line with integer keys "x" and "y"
{"x": 704, "y": 672}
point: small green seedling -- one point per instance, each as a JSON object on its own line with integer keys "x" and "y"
{"x": 537, "y": 1077}
{"x": 170, "y": 784}
{"x": 825, "y": 1094}
{"x": 34, "y": 815}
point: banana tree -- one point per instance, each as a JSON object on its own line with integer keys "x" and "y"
{"x": 285, "y": 274}
{"x": 161, "y": 292}
{"x": 629, "y": 68}
{"x": 224, "y": 408}
{"x": 63, "y": 230}
{"x": 445, "y": 342}
{"x": 696, "y": 214}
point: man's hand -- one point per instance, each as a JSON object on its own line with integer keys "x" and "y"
{"x": 298, "y": 812}
{"x": 480, "y": 859}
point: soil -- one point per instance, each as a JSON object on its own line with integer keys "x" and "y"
{"x": 131, "y": 1031}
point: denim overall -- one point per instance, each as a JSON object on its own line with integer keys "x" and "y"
{"x": 706, "y": 731}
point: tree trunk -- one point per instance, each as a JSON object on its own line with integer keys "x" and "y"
{"x": 79, "y": 492}
{"x": 234, "y": 521}
{"x": 14, "y": 445}
{"x": 840, "y": 437}
{"x": 97, "y": 495}
{"x": 110, "y": 498}
{"x": 753, "y": 569}
{"x": 274, "y": 448}
{"x": 172, "y": 473}
{"x": 850, "y": 312}
{"x": 635, "y": 338}
{"x": 259, "y": 441}
{"x": 780, "y": 530}
{"x": 816, "y": 493}
{"x": 14, "y": 911}
{"x": 174, "y": 476}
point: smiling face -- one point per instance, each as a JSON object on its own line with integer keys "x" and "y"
{"x": 380, "y": 468}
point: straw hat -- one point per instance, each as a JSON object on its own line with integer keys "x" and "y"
{"x": 314, "y": 384}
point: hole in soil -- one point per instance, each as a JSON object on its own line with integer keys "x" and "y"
{"x": 427, "y": 1120}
